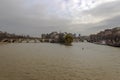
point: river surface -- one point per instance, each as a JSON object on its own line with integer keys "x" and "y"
{"x": 45, "y": 61}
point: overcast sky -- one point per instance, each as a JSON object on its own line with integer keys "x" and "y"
{"x": 43, "y": 16}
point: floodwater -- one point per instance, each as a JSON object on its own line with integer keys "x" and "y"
{"x": 45, "y": 61}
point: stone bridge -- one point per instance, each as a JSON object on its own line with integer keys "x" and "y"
{"x": 21, "y": 40}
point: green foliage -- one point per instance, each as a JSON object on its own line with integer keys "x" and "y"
{"x": 68, "y": 39}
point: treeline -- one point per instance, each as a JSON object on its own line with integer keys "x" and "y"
{"x": 5, "y": 35}
{"x": 55, "y": 37}
{"x": 108, "y": 36}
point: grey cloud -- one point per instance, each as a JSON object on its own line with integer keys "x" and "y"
{"x": 106, "y": 9}
{"x": 109, "y": 23}
{"x": 15, "y": 17}
{"x": 18, "y": 17}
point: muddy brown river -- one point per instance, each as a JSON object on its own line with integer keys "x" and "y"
{"x": 45, "y": 61}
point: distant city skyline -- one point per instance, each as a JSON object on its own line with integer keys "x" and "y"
{"x": 35, "y": 17}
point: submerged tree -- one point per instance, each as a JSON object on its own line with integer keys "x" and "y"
{"x": 68, "y": 39}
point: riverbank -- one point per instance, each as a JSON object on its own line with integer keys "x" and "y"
{"x": 110, "y": 37}
{"x": 108, "y": 44}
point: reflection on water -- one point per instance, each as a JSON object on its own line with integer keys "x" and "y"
{"x": 44, "y": 61}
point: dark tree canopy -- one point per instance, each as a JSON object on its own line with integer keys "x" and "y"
{"x": 68, "y": 39}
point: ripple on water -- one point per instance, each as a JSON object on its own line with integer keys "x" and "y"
{"x": 58, "y": 62}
